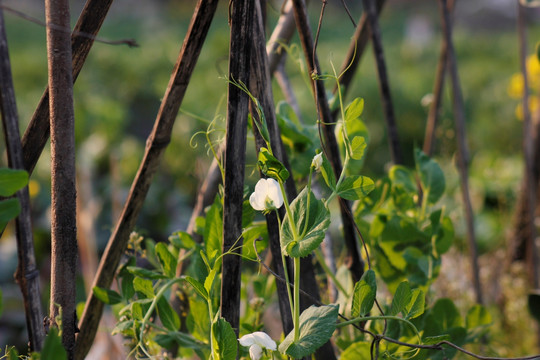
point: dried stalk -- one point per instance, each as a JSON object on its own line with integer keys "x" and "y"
{"x": 462, "y": 152}
{"x": 241, "y": 21}
{"x": 356, "y": 49}
{"x": 438, "y": 87}
{"x": 384, "y": 86}
{"x": 156, "y": 144}
{"x": 63, "y": 193}
{"x": 27, "y": 274}
{"x": 37, "y": 132}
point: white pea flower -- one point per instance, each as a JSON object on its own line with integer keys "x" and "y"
{"x": 256, "y": 342}
{"x": 317, "y": 161}
{"x": 267, "y": 195}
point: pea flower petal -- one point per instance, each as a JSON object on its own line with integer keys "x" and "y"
{"x": 267, "y": 195}
{"x": 317, "y": 161}
{"x": 256, "y": 342}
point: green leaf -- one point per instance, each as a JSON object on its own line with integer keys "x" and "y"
{"x": 314, "y": 227}
{"x": 145, "y": 273}
{"x": 11, "y": 181}
{"x": 446, "y": 314}
{"x": 209, "y": 281}
{"x": 416, "y": 306}
{"x": 166, "y": 260}
{"x": 213, "y": 227}
{"x": 317, "y": 324}
{"x": 364, "y": 294}
{"x": 52, "y": 347}
{"x": 9, "y": 209}
{"x": 144, "y": 286}
{"x": 354, "y": 110}
{"x": 402, "y": 298}
{"x": 355, "y": 187}
{"x": 431, "y": 176}
{"x": 358, "y": 350}
{"x": 199, "y": 288}
{"x": 358, "y": 147}
{"x": 328, "y": 173}
{"x": 182, "y": 240}
{"x": 402, "y": 177}
{"x": 126, "y": 286}
{"x": 108, "y": 296}
{"x": 124, "y": 327}
{"x": 271, "y": 166}
{"x": 225, "y": 339}
{"x": 169, "y": 318}
{"x": 478, "y": 316}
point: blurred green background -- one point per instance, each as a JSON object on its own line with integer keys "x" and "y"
{"x": 118, "y": 92}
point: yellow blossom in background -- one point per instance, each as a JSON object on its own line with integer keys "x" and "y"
{"x": 33, "y": 188}
{"x": 533, "y": 107}
{"x": 515, "y": 88}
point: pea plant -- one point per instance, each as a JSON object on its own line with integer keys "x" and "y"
{"x": 386, "y": 314}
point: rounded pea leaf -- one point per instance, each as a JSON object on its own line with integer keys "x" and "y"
{"x": 110, "y": 297}
{"x": 169, "y": 318}
{"x": 364, "y": 294}
{"x": 166, "y": 260}
{"x": 12, "y": 180}
{"x": 311, "y": 225}
{"x": 402, "y": 298}
{"x": 271, "y": 166}
{"x": 317, "y": 324}
{"x": 358, "y": 147}
{"x": 355, "y": 187}
{"x": 225, "y": 344}
{"x": 431, "y": 176}
{"x": 403, "y": 177}
{"x": 9, "y": 209}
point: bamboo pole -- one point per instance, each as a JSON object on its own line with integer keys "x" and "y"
{"x": 37, "y": 133}
{"x": 63, "y": 193}
{"x": 155, "y": 146}
{"x": 462, "y": 151}
{"x": 27, "y": 274}
{"x": 242, "y": 13}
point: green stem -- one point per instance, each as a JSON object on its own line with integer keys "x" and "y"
{"x": 308, "y": 199}
{"x": 296, "y": 318}
{"x": 329, "y": 272}
{"x": 288, "y": 211}
{"x": 285, "y": 271}
{"x": 381, "y": 317}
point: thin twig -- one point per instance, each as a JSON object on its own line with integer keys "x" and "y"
{"x": 463, "y": 154}
{"x": 438, "y": 87}
{"x": 128, "y": 42}
{"x": 384, "y": 86}
{"x": 27, "y": 274}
